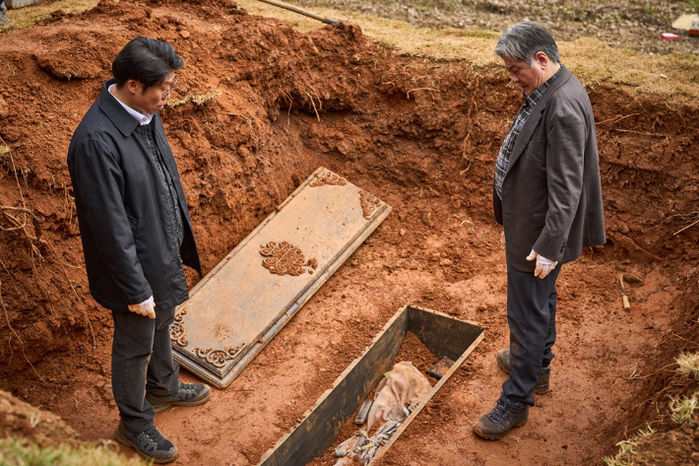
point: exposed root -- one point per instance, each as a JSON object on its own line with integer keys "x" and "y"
{"x": 617, "y": 119}
{"x": 407, "y": 94}
{"x": 313, "y": 104}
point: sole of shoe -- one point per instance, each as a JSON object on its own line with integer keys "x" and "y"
{"x": 121, "y": 438}
{"x": 160, "y": 405}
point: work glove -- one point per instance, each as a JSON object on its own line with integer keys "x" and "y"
{"x": 543, "y": 265}
{"x": 146, "y": 308}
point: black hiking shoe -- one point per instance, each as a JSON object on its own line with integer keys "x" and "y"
{"x": 505, "y": 416}
{"x": 189, "y": 394}
{"x": 150, "y": 444}
{"x": 542, "y": 384}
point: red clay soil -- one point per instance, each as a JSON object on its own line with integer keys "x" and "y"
{"x": 420, "y": 135}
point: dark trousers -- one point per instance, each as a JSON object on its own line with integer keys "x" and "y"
{"x": 142, "y": 360}
{"x": 531, "y": 315}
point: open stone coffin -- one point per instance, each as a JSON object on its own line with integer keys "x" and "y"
{"x": 240, "y": 305}
{"x": 440, "y": 333}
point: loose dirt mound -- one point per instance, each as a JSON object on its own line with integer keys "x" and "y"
{"x": 20, "y": 419}
{"x": 423, "y": 137}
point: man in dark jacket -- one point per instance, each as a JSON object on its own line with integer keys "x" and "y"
{"x": 547, "y": 195}
{"x": 136, "y": 234}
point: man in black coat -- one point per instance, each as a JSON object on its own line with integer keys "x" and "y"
{"x": 136, "y": 234}
{"x": 547, "y": 195}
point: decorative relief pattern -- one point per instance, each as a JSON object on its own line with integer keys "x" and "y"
{"x": 218, "y": 358}
{"x": 177, "y": 331}
{"x": 285, "y": 259}
{"x": 369, "y": 203}
{"x": 328, "y": 177}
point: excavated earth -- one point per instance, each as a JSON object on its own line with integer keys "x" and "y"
{"x": 419, "y": 134}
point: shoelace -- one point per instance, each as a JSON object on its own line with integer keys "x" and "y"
{"x": 501, "y": 410}
{"x": 152, "y": 436}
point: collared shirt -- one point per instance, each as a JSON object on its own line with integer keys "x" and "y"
{"x": 142, "y": 118}
{"x": 528, "y": 105}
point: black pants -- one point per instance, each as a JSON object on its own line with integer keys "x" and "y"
{"x": 142, "y": 360}
{"x": 531, "y": 315}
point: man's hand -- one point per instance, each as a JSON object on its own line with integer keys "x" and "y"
{"x": 543, "y": 265}
{"x": 146, "y": 308}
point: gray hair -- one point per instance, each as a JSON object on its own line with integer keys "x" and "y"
{"x": 523, "y": 40}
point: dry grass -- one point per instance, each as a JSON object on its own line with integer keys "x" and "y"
{"x": 195, "y": 98}
{"x": 23, "y": 17}
{"x": 683, "y": 409}
{"x": 689, "y": 365}
{"x": 626, "y": 453}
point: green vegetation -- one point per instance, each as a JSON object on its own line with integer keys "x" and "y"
{"x": 20, "y": 452}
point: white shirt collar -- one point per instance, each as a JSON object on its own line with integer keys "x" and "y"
{"x": 143, "y": 118}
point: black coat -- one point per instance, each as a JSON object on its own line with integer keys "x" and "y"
{"x": 551, "y": 193}
{"x": 123, "y": 211}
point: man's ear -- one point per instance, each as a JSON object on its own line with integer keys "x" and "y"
{"x": 133, "y": 86}
{"x": 542, "y": 59}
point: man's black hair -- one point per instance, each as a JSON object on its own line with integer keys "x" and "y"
{"x": 145, "y": 60}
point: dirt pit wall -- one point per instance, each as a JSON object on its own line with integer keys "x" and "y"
{"x": 421, "y": 135}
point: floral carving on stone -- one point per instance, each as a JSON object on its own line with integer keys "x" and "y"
{"x": 328, "y": 177}
{"x": 285, "y": 259}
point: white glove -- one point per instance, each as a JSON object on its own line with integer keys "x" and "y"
{"x": 543, "y": 265}
{"x": 146, "y": 308}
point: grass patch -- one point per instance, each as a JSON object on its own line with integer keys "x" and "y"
{"x": 195, "y": 98}
{"x": 21, "y": 452}
{"x": 683, "y": 409}
{"x": 688, "y": 362}
{"x": 23, "y": 17}
{"x": 626, "y": 453}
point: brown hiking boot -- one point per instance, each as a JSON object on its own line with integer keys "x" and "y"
{"x": 542, "y": 384}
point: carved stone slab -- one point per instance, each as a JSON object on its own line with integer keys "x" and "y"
{"x": 259, "y": 286}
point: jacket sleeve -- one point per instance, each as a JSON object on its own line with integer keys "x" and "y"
{"x": 565, "y": 155}
{"x": 99, "y": 186}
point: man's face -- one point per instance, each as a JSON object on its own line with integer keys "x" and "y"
{"x": 153, "y": 99}
{"x": 527, "y": 76}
